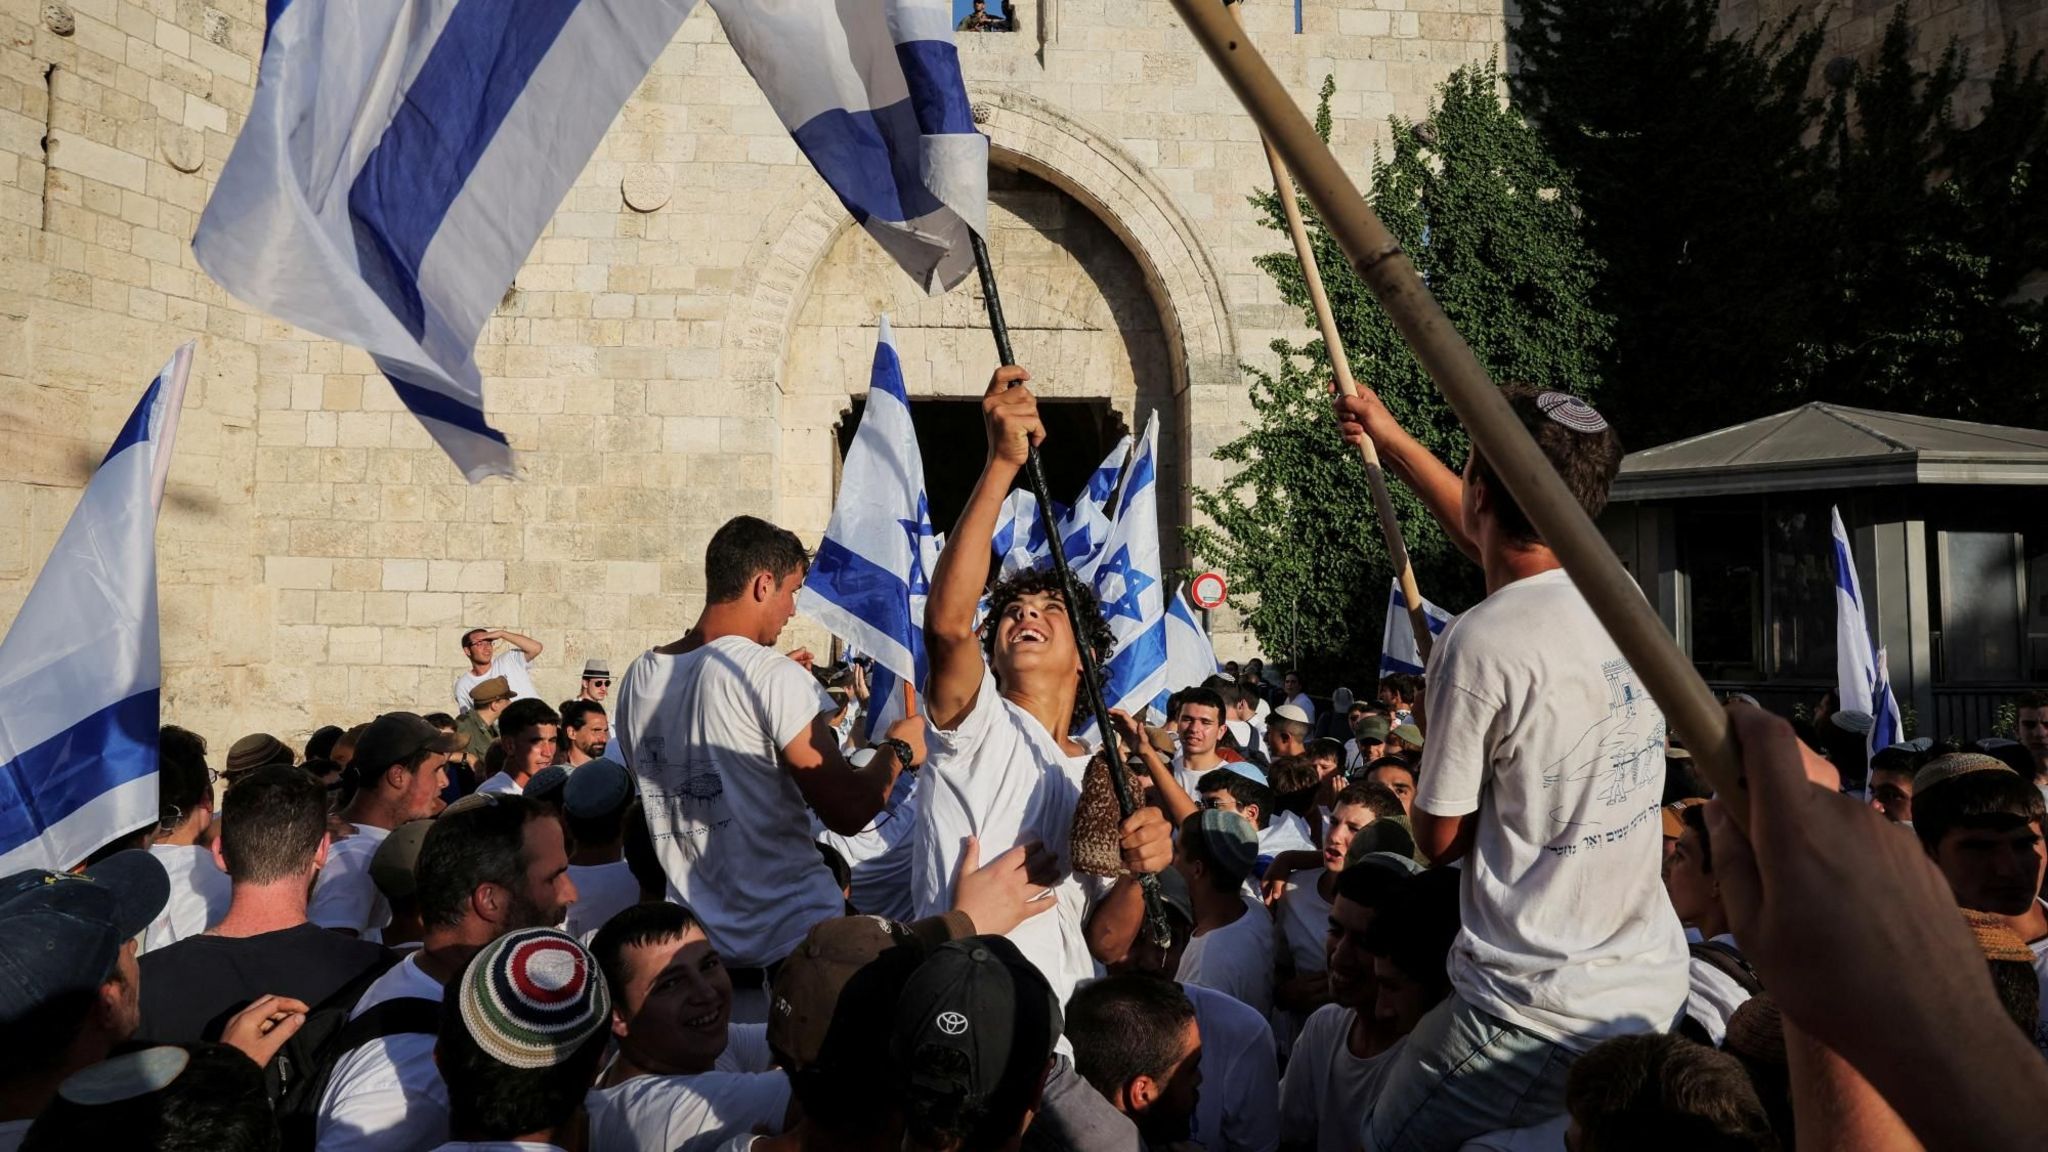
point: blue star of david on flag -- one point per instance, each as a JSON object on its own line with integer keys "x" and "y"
{"x": 1121, "y": 588}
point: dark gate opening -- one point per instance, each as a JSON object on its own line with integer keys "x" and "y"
{"x": 1079, "y": 433}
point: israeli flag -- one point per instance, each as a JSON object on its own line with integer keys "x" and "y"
{"x": 1398, "y": 652}
{"x": 1019, "y": 540}
{"x": 1126, "y": 578}
{"x": 1085, "y": 528}
{"x": 871, "y": 90}
{"x": 79, "y": 671}
{"x": 1190, "y": 657}
{"x": 399, "y": 161}
{"x": 872, "y": 574}
{"x": 1861, "y": 680}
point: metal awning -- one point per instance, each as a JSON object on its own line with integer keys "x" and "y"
{"x": 1830, "y": 446}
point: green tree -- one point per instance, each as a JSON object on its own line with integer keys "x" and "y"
{"x": 1931, "y": 230}
{"x": 1491, "y": 222}
{"x": 1686, "y": 147}
{"x": 1769, "y": 240}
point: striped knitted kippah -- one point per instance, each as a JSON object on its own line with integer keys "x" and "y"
{"x": 1945, "y": 768}
{"x": 530, "y": 999}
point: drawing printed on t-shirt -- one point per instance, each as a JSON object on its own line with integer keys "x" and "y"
{"x": 683, "y": 789}
{"x": 1618, "y": 751}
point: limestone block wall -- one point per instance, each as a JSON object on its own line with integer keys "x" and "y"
{"x": 654, "y": 364}
{"x": 1980, "y": 27}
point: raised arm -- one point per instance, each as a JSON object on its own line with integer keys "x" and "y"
{"x": 1440, "y": 489}
{"x": 527, "y": 645}
{"x": 1011, "y": 417}
{"x": 845, "y": 796}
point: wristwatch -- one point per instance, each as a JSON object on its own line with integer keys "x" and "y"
{"x": 901, "y": 749}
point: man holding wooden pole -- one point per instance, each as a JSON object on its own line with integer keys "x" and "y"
{"x": 1543, "y": 772}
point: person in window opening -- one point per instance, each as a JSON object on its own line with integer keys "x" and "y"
{"x": 982, "y": 20}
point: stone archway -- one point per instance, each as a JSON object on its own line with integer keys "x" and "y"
{"x": 1089, "y": 167}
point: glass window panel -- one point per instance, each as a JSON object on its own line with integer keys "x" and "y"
{"x": 1802, "y": 600}
{"x": 1980, "y": 606}
{"x": 1723, "y": 573}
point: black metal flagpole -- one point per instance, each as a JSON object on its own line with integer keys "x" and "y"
{"x": 1091, "y": 672}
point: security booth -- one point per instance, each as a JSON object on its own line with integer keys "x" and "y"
{"x": 1728, "y": 533}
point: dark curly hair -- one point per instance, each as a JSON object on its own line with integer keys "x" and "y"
{"x": 1085, "y": 615}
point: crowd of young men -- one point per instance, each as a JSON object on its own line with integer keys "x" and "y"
{"x": 1492, "y": 910}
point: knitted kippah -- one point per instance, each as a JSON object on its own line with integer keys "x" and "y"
{"x": 531, "y": 999}
{"x": 1570, "y": 411}
{"x": 1945, "y": 768}
{"x": 1997, "y": 940}
{"x": 1756, "y": 1031}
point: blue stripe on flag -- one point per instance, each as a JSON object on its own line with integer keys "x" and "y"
{"x": 136, "y": 430}
{"x": 475, "y": 73}
{"x": 1135, "y": 659}
{"x": 1844, "y": 565}
{"x": 431, "y": 405}
{"x": 887, "y": 375}
{"x": 871, "y": 160}
{"x": 57, "y": 777}
{"x": 862, "y": 587}
{"x": 1141, "y": 478}
{"x": 937, "y": 93}
{"x": 272, "y": 9}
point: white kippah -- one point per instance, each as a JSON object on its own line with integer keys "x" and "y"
{"x": 1571, "y": 412}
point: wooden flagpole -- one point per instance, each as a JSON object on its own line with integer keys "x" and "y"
{"x": 1688, "y": 704}
{"x": 1340, "y": 367}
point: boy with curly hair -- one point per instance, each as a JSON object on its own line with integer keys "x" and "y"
{"x": 1004, "y": 765}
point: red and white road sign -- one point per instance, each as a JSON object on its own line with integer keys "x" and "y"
{"x": 1208, "y": 590}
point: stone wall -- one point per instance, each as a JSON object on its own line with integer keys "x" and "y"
{"x": 1856, "y": 28}
{"x": 659, "y": 363}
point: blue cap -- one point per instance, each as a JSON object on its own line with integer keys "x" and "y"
{"x": 1246, "y": 769}
{"x": 598, "y": 788}
{"x": 547, "y": 784}
{"x": 62, "y": 933}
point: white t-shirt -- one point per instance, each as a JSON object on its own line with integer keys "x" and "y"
{"x": 2040, "y": 950}
{"x": 200, "y": 894}
{"x": 1190, "y": 777}
{"x": 1304, "y": 918}
{"x": 345, "y": 896}
{"x": 1328, "y": 1092}
{"x": 1285, "y": 832}
{"x": 602, "y": 891}
{"x": 1713, "y": 995}
{"x": 1538, "y": 724}
{"x": 880, "y": 855}
{"x": 704, "y": 732}
{"x": 1236, "y": 959}
{"x": 387, "y": 1096}
{"x": 1000, "y": 776}
{"x": 511, "y": 664}
{"x": 502, "y": 784}
{"x": 699, "y": 1113}
{"x": 1239, "y": 1106}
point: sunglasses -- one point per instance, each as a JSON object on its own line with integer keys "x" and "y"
{"x": 597, "y": 683}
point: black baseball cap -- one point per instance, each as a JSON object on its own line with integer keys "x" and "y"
{"x": 974, "y": 1029}
{"x": 396, "y": 737}
{"x": 62, "y": 933}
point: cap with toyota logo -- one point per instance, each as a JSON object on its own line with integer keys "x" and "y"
{"x": 973, "y": 1036}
